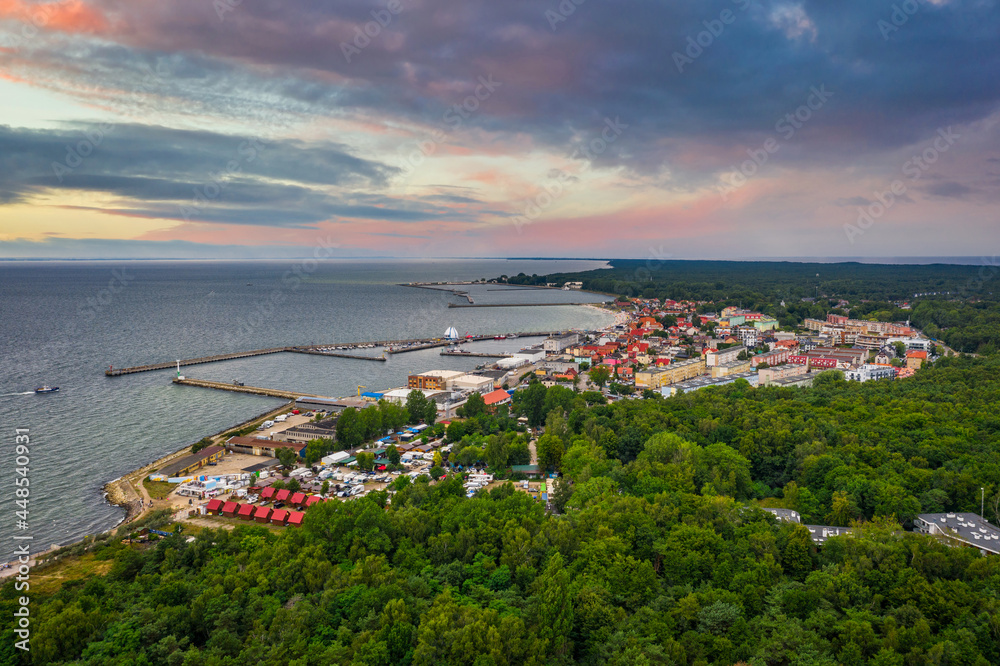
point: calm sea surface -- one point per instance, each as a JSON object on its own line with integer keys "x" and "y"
{"x": 63, "y": 324}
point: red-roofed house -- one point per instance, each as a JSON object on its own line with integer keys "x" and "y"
{"x": 263, "y": 514}
{"x": 214, "y": 507}
{"x": 279, "y": 517}
{"x": 915, "y": 359}
{"x": 313, "y": 499}
{"x": 267, "y": 493}
{"x": 498, "y": 397}
{"x": 295, "y": 518}
{"x": 298, "y": 499}
{"x": 245, "y": 512}
{"x": 229, "y": 509}
{"x": 282, "y": 495}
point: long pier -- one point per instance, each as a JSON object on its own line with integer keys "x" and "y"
{"x": 474, "y": 354}
{"x": 510, "y": 305}
{"x": 316, "y": 352}
{"x": 112, "y": 372}
{"x": 255, "y": 390}
{"x": 453, "y": 292}
{"x": 391, "y": 347}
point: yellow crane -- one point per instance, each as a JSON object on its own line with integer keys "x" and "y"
{"x": 359, "y": 389}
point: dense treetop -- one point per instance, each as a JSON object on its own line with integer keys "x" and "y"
{"x": 661, "y": 554}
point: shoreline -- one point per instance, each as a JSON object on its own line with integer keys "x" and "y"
{"x": 121, "y": 491}
{"x": 124, "y": 491}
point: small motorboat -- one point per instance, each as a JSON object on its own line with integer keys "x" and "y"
{"x": 46, "y": 389}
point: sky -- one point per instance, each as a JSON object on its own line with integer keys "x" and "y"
{"x": 497, "y": 128}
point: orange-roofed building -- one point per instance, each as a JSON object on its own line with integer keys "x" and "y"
{"x": 498, "y": 397}
{"x": 915, "y": 359}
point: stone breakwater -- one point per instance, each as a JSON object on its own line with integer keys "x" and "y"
{"x": 121, "y": 493}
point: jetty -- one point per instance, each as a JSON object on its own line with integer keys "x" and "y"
{"x": 317, "y": 352}
{"x": 236, "y": 388}
{"x": 461, "y": 354}
{"x": 442, "y": 287}
{"x": 510, "y": 305}
{"x": 390, "y": 346}
{"x": 115, "y": 372}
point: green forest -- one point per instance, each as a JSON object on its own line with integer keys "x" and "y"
{"x": 956, "y": 304}
{"x": 659, "y": 552}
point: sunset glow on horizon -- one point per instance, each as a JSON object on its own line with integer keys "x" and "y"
{"x": 729, "y": 128}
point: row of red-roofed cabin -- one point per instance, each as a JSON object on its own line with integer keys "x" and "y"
{"x": 260, "y": 514}
{"x": 296, "y": 499}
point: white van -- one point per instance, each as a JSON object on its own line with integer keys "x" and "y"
{"x": 280, "y": 418}
{"x": 268, "y": 424}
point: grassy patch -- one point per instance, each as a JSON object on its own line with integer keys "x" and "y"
{"x": 158, "y": 489}
{"x": 48, "y": 581}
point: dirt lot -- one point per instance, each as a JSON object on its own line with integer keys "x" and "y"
{"x": 231, "y": 463}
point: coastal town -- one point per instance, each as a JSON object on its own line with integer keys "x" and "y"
{"x": 275, "y": 468}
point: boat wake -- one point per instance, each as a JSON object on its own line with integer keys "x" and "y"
{"x": 4, "y": 395}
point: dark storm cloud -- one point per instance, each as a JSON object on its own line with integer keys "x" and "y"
{"x": 561, "y": 82}
{"x": 562, "y": 78}
{"x": 204, "y": 176}
{"x": 948, "y": 190}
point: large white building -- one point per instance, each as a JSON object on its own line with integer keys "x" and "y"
{"x": 961, "y": 529}
{"x": 868, "y": 372}
{"x": 723, "y": 356}
{"x": 558, "y": 343}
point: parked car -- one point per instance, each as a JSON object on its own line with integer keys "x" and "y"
{"x": 279, "y": 505}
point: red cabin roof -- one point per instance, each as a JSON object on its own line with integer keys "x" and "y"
{"x": 246, "y": 511}
{"x": 298, "y": 498}
{"x": 282, "y": 495}
{"x": 262, "y": 512}
{"x": 279, "y": 517}
{"x": 230, "y": 507}
{"x": 267, "y": 493}
{"x": 214, "y": 504}
{"x": 313, "y": 499}
{"x": 295, "y": 517}
{"x": 496, "y": 397}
